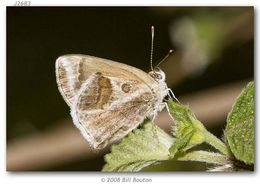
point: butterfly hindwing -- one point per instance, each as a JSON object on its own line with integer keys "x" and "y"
{"x": 107, "y": 108}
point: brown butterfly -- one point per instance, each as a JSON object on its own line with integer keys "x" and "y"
{"x": 108, "y": 99}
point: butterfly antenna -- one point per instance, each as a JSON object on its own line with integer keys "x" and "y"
{"x": 151, "y": 57}
{"x": 169, "y": 53}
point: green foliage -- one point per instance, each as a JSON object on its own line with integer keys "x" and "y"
{"x": 139, "y": 149}
{"x": 239, "y": 132}
{"x": 188, "y": 130}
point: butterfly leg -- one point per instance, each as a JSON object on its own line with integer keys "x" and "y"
{"x": 153, "y": 118}
{"x": 171, "y": 95}
{"x": 169, "y": 113}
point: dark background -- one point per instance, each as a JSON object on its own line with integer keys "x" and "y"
{"x": 37, "y": 36}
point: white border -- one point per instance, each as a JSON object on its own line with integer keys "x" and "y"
{"x": 86, "y": 178}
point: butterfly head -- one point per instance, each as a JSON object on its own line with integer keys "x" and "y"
{"x": 157, "y": 74}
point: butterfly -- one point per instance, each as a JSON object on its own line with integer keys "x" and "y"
{"x": 108, "y": 99}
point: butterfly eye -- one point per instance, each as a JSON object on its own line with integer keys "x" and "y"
{"x": 157, "y": 76}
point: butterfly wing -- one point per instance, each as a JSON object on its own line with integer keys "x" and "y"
{"x": 108, "y": 108}
{"x": 73, "y": 70}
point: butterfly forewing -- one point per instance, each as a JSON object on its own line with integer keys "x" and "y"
{"x": 73, "y": 70}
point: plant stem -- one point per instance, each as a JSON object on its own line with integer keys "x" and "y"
{"x": 204, "y": 156}
{"x": 216, "y": 143}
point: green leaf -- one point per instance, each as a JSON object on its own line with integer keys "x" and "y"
{"x": 239, "y": 132}
{"x": 188, "y": 130}
{"x": 203, "y": 156}
{"x": 141, "y": 148}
